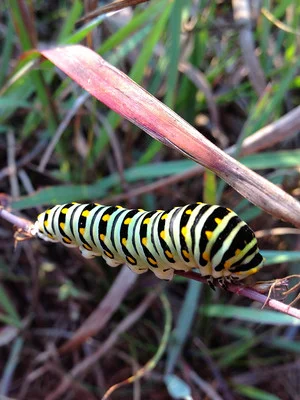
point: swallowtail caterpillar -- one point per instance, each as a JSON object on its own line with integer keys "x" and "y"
{"x": 210, "y": 238}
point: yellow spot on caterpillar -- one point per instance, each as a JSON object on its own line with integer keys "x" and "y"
{"x": 67, "y": 240}
{"x": 252, "y": 271}
{"x": 108, "y": 254}
{"x": 127, "y": 221}
{"x": 62, "y": 225}
{"x": 50, "y": 236}
{"x": 208, "y": 234}
{"x": 227, "y": 264}
{"x": 163, "y": 235}
{"x": 237, "y": 252}
{"x": 205, "y": 256}
{"x": 119, "y": 207}
{"x": 105, "y": 217}
{"x": 199, "y": 202}
{"x": 124, "y": 241}
{"x": 184, "y": 231}
{"x": 164, "y": 216}
{"x": 46, "y": 223}
{"x": 81, "y": 231}
{"x": 185, "y": 253}
{"x": 189, "y": 211}
{"x": 218, "y": 221}
{"x": 87, "y": 247}
{"x": 228, "y": 209}
{"x": 64, "y": 211}
{"x": 140, "y": 209}
{"x": 102, "y": 237}
{"x": 144, "y": 241}
{"x": 131, "y": 260}
{"x": 74, "y": 202}
{"x": 146, "y": 221}
{"x": 48, "y": 211}
{"x": 151, "y": 261}
{"x": 169, "y": 254}
{"x": 85, "y": 213}
{"x": 97, "y": 204}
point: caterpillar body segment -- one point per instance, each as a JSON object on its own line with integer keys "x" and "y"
{"x": 210, "y": 238}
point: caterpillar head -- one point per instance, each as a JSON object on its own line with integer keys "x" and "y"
{"x": 249, "y": 266}
{"x": 234, "y": 252}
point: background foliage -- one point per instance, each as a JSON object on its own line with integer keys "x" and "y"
{"x": 58, "y": 143}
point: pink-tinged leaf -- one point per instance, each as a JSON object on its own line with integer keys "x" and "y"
{"x": 121, "y": 94}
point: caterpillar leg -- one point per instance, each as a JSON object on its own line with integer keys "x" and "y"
{"x": 225, "y": 280}
{"x": 136, "y": 269}
{"x": 111, "y": 262}
{"x": 166, "y": 274}
{"x": 87, "y": 253}
{"x": 210, "y": 281}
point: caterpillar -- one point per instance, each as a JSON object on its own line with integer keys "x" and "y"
{"x": 210, "y": 238}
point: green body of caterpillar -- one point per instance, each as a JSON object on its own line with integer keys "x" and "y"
{"x": 211, "y": 238}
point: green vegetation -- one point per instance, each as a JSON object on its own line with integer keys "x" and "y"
{"x": 59, "y": 144}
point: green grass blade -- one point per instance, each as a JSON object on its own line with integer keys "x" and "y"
{"x": 8, "y": 306}
{"x": 10, "y": 367}
{"x": 137, "y": 72}
{"x": 278, "y": 257}
{"x": 250, "y": 392}
{"x": 69, "y": 23}
{"x": 6, "y": 52}
{"x": 264, "y": 317}
{"x": 284, "y": 159}
{"x": 137, "y": 22}
{"x": 183, "y": 325}
{"x": 173, "y": 51}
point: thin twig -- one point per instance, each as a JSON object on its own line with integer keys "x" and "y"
{"x": 278, "y": 131}
{"x": 116, "y": 150}
{"x": 102, "y": 314}
{"x": 202, "y": 384}
{"x": 23, "y": 224}
{"x": 60, "y": 130}
{"x": 8, "y": 171}
{"x": 112, "y": 7}
{"x": 242, "y": 17}
{"x": 250, "y": 293}
{"x": 200, "y": 81}
{"x": 268, "y": 373}
{"x": 276, "y": 232}
{"x": 221, "y": 382}
{"x": 278, "y": 23}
